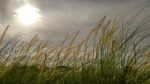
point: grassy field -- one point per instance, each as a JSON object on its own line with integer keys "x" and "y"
{"x": 112, "y": 53}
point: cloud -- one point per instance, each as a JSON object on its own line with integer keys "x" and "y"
{"x": 63, "y": 16}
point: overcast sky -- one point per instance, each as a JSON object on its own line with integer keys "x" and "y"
{"x": 62, "y": 16}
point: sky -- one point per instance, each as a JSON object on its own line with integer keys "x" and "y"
{"x": 59, "y": 18}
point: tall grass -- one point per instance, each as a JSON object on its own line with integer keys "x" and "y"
{"x": 110, "y": 54}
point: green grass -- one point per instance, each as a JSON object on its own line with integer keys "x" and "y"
{"x": 110, "y": 54}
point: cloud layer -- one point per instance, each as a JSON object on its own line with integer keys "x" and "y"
{"x": 63, "y": 16}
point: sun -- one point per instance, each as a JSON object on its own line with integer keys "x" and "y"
{"x": 27, "y": 14}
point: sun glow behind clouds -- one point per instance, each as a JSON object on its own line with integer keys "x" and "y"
{"x": 28, "y": 14}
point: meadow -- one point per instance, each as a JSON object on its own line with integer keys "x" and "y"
{"x": 114, "y": 52}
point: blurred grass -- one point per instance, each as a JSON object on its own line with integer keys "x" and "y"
{"x": 110, "y": 54}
